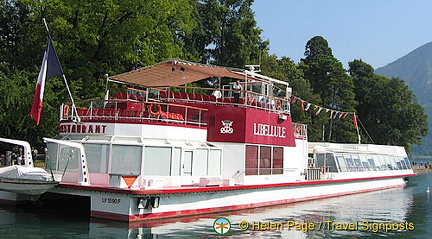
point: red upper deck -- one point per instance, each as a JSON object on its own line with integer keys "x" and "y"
{"x": 257, "y": 117}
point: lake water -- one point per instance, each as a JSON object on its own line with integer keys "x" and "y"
{"x": 394, "y": 213}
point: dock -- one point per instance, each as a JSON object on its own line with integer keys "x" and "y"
{"x": 422, "y": 168}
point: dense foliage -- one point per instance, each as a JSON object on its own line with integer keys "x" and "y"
{"x": 99, "y": 37}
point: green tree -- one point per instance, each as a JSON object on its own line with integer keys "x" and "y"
{"x": 286, "y": 69}
{"x": 113, "y": 36}
{"x": 387, "y": 108}
{"x": 329, "y": 79}
{"x": 17, "y": 92}
{"x": 92, "y": 38}
{"x": 228, "y": 34}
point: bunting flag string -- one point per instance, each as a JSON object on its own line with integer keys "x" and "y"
{"x": 307, "y": 106}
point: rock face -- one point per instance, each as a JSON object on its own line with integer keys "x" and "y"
{"x": 415, "y": 69}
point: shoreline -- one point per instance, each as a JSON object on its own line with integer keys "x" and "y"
{"x": 422, "y": 169}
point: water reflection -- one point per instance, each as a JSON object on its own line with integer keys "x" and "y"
{"x": 410, "y": 204}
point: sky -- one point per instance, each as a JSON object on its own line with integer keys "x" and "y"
{"x": 375, "y": 31}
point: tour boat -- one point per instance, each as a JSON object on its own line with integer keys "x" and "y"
{"x": 161, "y": 147}
{"x": 23, "y": 182}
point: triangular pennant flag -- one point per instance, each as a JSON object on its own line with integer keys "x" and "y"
{"x": 335, "y": 115}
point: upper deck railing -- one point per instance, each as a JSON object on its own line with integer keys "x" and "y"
{"x": 166, "y": 105}
{"x": 198, "y": 96}
{"x": 129, "y": 110}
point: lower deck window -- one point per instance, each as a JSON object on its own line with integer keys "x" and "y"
{"x": 369, "y": 162}
{"x": 97, "y": 157}
{"x": 157, "y": 161}
{"x": 263, "y": 160}
{"x": 126, "y": 159}
{"x": 62, "y": 158}
{"x": 327, "y": 162}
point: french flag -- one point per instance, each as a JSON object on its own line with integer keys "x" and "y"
{"x": 50, "y": 68}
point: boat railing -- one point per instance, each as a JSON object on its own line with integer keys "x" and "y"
{"x": 130, "y": 110}
{"x": 198, "y": 96}
{"x": 313, "y": 174}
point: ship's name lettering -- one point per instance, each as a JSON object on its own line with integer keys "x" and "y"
{"x": 269, "y": 130}
{"x": 83, "y": 129}
{"x": 111, "y": 200}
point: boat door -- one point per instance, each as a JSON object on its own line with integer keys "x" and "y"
{"x": 188, "y": 157}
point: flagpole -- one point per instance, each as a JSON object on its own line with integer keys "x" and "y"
{"x": 358, "y": 131}
{"x": 63, "y": 75}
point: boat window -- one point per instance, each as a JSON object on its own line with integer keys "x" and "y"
{"x": 265, "y": 160}
{"x": 176, "y": 162}
{"x": 403, "y": 163}
{"x": 366, "y": 166}
{"x": 342, "y": 164}
{"x": 377, "y": 161}
{"x": 99, "y": 138}
{"x": 74, "y": 137}
{"x": 201, "y": 162}
{"x": 127, "y": 139}
{"x": 400, "y": 166}
{"x": 126, "y": 159}
{"x": 157, "y": 161}
{"x": 372, "y": 164}
{"x": 51, "y": 158}
{"x": 320, "y": 159}
{"x": 277, "y": 167}
{"x": 407, "y": 163}
{"x": 384, "y": 162}
{"x": 251, "y": 160}
{"x": 364, "y": 162}
{"x": 214, "y": 163}
{"x": 392, "y": 164}
{"x": 330, "y": 163}
{"x": 326, "y": 161}
{"x": 97, "y": 157}
{"x": 400, "y": 162}
{"x": 357, "y": 164}
{"x": 349, "y": 163}
{"x": 68, "y": 159}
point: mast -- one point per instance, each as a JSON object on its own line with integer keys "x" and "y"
{"x": 64, "y": 77}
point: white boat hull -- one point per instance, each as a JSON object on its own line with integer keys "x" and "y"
{"x": 113, "y": 204}
{"x": 27, "y": 187}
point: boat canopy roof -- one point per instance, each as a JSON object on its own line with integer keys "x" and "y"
{"x": 176, "y": 72}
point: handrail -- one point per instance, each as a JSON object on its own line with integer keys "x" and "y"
{"x": 118, "y": 109}
{"x": 219, "y": 89}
